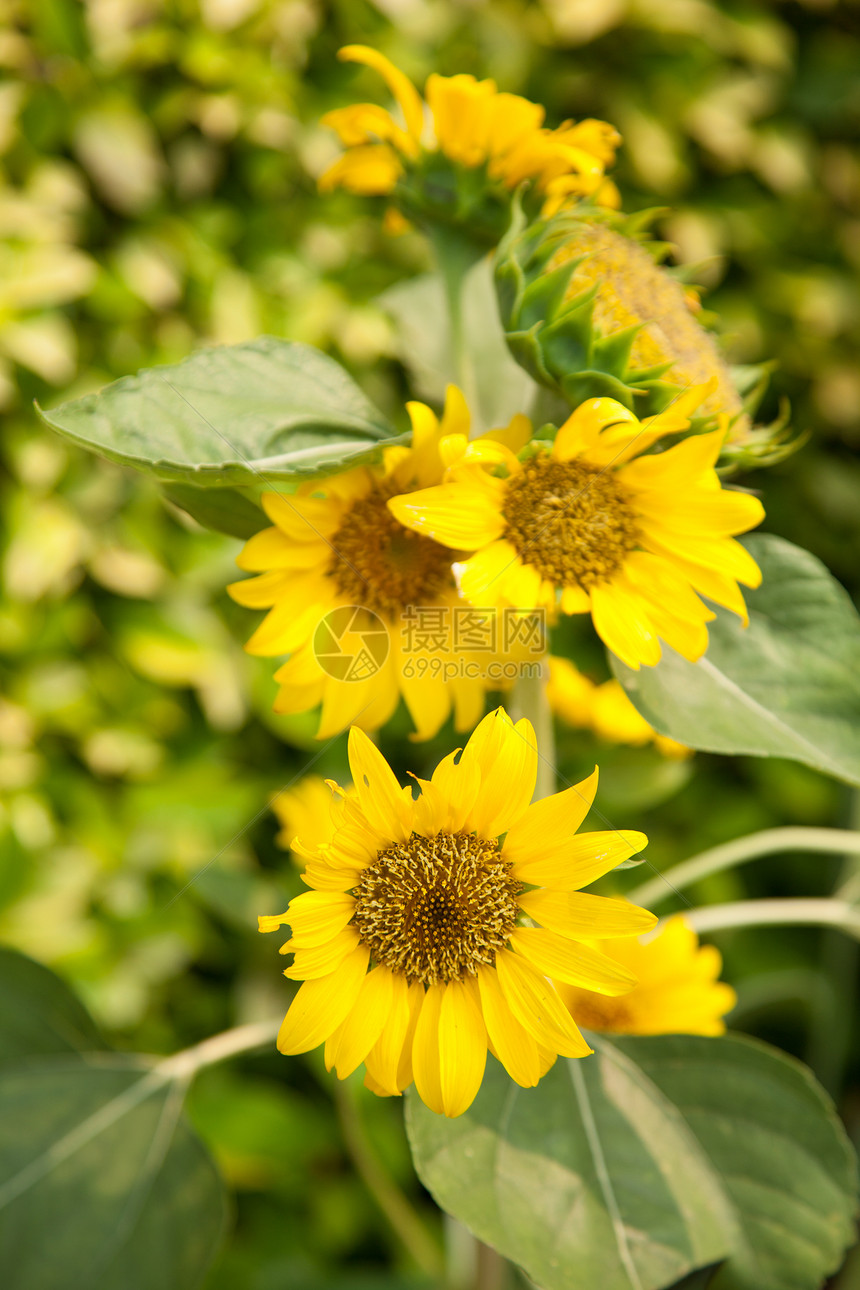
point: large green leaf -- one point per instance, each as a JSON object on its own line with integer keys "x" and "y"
{"x": 102, "y": 1183}
{"x": 39, "y": 1014}
{"x": 237, "y": 415}
{"x": 631, "y": 1169}
{"x": 786, "y": 686}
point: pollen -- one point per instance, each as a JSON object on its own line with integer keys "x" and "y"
{"x": 437, "y": 909}
{"x": 379, "y": 564}
{"x": 573, "y": 523}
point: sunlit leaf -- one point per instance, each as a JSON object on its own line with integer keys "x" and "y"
{"x": 239, "y": 414}
{"x": 786, "y": 686}
{"x": 648, "y": 1161}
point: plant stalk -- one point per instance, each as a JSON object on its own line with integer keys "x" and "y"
{"x": 768, "y": 842}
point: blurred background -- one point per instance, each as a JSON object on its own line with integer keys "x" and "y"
{"x": 158, "y": 193}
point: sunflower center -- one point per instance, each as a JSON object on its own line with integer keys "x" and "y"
{"x": 574, "y": 523}
{"x": 379, "y": 564}
{"x": 437, "y": 908}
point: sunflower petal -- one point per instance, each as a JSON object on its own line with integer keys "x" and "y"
{"x": 462, "y": 1047}
{"x": 568, "y": 961}
{"x": 321, "y": 1005}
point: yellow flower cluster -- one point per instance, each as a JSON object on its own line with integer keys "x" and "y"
{"x": 471, "y": 124}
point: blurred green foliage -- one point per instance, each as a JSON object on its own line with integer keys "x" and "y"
{"x": 158, "y": 193}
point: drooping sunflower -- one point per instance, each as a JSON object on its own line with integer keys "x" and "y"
{"x": 677, "y": 991}
{"x": 410, "y": 945}
{"x": 589, "y": 525}
{"x": 471, "y": 125}
{"x": 366, "y": 609}
{"x": 604, "y": 708}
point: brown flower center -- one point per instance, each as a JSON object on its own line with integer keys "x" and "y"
{"x": 437, "y": 908}
{"x": 379, "y": 564}
{"x": 572, "y": 522}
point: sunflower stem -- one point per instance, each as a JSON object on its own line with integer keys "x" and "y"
{"x": 402, "y": 1217}
{"x": 784, "y": 912}
{"x": 767, "y": 842}
{"x": 456, "y": 255}
{"x": 218, "y": 1048}
{"x": 529, "y": 699}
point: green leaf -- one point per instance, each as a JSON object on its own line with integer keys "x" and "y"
{"x": 786, "y": 686}
{"x": 225, "y": 510}
{"x": 39, "y": 1014}
{"x": 653, "y": 1159}
{"x": 237, "y": 415}
{"x": 101, "y": 1182}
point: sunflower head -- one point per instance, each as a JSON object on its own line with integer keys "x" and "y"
{"x": 367, "y": 609}
{"x": 456, "y": 157}
{"x": 591, "y": 523}
{"x": 435, "y": 920}
{"x": 677, "y": 991}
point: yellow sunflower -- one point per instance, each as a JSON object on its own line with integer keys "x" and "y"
{"x": 472, "y": 125}
{"x": 677, "y": 992}
{"x": 589, "y": 525}
{"x": 366, "y": 609}
{"x": 603, "y": 708}
{"x": 411, "y": 946}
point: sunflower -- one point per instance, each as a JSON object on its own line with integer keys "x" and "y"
{"x": 589, "y": 525}
{"x": 410, "y": 945}
{"x": 368, "y": 610}
{"x": 678, "y": 991}
{"x": 473, "y": 126}
{"x": 603, "y": 708}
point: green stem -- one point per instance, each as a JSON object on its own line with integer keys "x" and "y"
{"x": 218, "y": 1048}
{"x": 529, "y": 699}
{"x": 394, "y": 1205}
{"x": 741, "y": 850}
{"x": 456, "y": 255}
{"x": 787, "y": 912}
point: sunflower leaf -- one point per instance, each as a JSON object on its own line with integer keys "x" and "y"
{"x": 787, "y": 686}
{"x": 235, "y": 415}
{"x": 654, "y": 1159}
{"x": 102, "y": 1183}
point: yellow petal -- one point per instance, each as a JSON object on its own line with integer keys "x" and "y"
{"x": 507, "y": 757}
{"x": 320, "y": 1006}
{"x": 487, "y": 578}
{"x": 514, "y": 1047}
{"x": 550, "y": 823}
{"x": 371, "y": 170}
{"x": 464, "y": 515}
{"x": 381, "y": 797}
{"x": 462, "y": 1047}
{"x": 535, "y": 1003}
{"x": 365, "y": 1021}
{"x": 583, "y": 429}
{"x": 622, "y": 623}
{"x": 400, "y": 85}
{"x": 579, "y": 861}
{"x": 260, "y": 593}
{"x": 383, "y": 1059}
{"x": 320, "y": 960}
{"x": 416, "y": 1003}
{"x": 303, "y": 519}
{"x": 458, "y": 785}
{"x": 316, "y": 916}
{"x": 425, "y": 1050}
{"x": 577, "y": 913}
{"x": 569, "y": 961}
